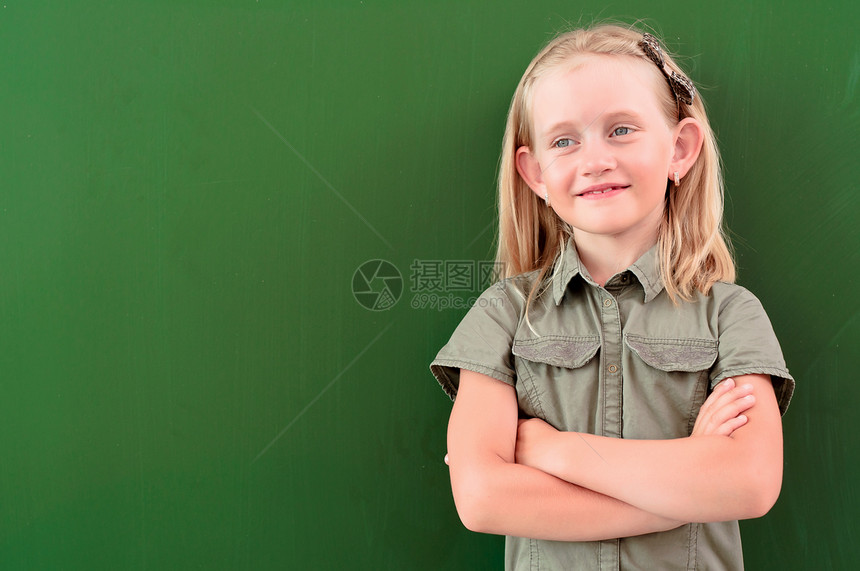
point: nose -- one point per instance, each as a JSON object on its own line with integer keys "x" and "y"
{"x": 597, "y": 158}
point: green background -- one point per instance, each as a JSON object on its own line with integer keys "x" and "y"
{"x": 186, "y": 380}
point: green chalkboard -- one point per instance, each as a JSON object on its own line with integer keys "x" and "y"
{"x": 199, "y": 369}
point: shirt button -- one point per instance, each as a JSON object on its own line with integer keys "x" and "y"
{"x": 607, "y": 302}
{"x": 612, "y": 369}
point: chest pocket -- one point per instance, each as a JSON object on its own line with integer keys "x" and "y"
{"x": 558, "y": 350}
{"x": 687, "y": 355}
{"x": 668, "y": 382}
{"x": 557, "y": 379}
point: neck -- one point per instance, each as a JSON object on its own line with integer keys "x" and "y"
{"x": 605, "y": 256}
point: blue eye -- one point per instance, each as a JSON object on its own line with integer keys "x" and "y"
{"x": 562, "y": 143}
{"x": 621, "y": 131}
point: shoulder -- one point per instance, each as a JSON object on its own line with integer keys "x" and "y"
{"x": 728, "y": 291}
{"x": 704, "y": 316}
{"x": 748, "y": 343}
{"x": 733, "y": 299}
{"x": 512, "y": 292}
{"x": 482, "y": 341}
{"x": 743, "y": 325}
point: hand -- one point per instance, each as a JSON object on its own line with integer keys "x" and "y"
{"x": 534, "y": 443}
{"x": 721, "y": 413}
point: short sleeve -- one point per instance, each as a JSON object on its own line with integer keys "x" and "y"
{"x": 748, "y": 345}
{"x": 482, "y": 341}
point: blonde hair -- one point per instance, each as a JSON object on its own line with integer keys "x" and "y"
{"x": 693, "y": 250}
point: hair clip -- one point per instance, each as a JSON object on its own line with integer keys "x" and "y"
{"x": 681, "y": 86}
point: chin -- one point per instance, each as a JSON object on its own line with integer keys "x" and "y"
{"x": 600, "y": 229}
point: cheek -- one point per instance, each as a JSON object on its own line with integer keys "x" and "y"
{"x": 653, "y": 165}
{"x": 560, "y": 167}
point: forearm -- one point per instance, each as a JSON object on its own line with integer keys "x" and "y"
{"x": 494, "y": 496}
{"x": 691, "y": 479}
{"x": 706, "y": 477}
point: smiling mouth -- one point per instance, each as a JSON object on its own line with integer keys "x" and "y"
{"x": 601, "y": 189}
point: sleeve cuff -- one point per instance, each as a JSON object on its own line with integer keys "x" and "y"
{"x": 783, "y": 382}
{"x": 447, "y": 372}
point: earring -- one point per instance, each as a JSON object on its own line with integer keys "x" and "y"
{"x": 677, "y": 179}
{"x": 546, "y": 197}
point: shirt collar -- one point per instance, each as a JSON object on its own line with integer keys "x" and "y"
{"x": 646, "y": 270}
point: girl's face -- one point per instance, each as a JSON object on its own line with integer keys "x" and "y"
{"x": 602, "y": 147}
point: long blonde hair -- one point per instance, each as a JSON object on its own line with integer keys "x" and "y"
{"x": 692, "y": 248}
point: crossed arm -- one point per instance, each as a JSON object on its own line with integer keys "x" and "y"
{"x": 547, "y": 484}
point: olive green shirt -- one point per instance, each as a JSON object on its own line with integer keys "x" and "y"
{"x": 621, "y": 361}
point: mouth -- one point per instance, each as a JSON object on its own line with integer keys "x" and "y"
{"x": 599, "y": 190}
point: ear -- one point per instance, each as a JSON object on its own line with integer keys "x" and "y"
{"x": 530, "y": 171}
{"x": 689, "y": 136}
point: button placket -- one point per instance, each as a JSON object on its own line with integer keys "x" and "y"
{"x": 611, "y": 350}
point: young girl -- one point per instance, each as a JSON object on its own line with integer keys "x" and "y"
{"x": 618, "y": 399}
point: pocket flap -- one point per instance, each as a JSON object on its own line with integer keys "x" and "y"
{"x": 686, "y": 355}
{"x": 558, "y": 350}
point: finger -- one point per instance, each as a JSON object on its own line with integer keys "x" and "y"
{"x": 724, "y": 403}
{"x": 732, "y": 424}
{"x": 722, "y": 388}
{"x": 718, "y": 400}
{"x": 728, "y": 427}
{"x": 730, "y": 410}
{"x": 725, "y": 384}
